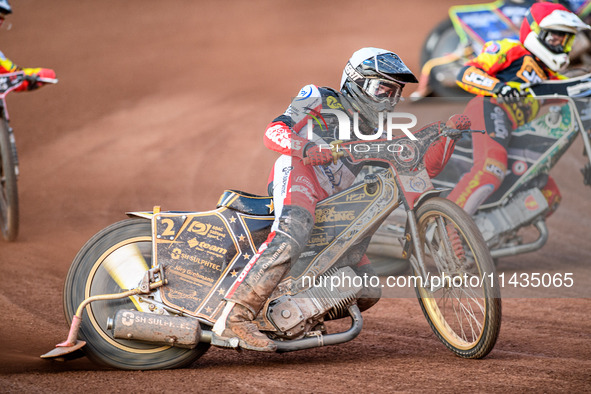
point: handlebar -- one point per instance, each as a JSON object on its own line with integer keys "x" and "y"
{"x": 11, "y": 81}
{"x": 338, "y": 152}
{"x": 572, "y": 87}
{"x": 48, "y": 80}
{"x": 457, "y": 133}
{"x": 35, "y": 79}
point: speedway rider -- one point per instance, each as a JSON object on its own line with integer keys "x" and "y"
{"x": 546, "y": 36}
{"x": 6, "y": 66}
{"x": 372, "y": 82}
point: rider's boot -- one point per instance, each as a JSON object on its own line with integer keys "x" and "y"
{"x": 239, "y": 325}
{"x": 265, "y": 271}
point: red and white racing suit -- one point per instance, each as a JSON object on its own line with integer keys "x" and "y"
{"x": 505, "y": 61}
{"x": 297, "y": 188}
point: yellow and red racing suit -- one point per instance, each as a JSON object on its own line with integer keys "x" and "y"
{"x": 7, "y": 66}
{"x": 500, "y": 62}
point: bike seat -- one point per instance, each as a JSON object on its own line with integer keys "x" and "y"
{"x": 246, "y": 203}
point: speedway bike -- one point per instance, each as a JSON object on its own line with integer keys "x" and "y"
{"x": 146, "y": 292}
{"x": 461, "y": 36}
{"x": 534, "y": 149}
{"x": 9, "y": 170}
{"x": 513, "y": 219}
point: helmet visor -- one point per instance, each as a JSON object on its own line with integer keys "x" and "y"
{"x": 382, "y": 91}
{"x": 557, "y": 41}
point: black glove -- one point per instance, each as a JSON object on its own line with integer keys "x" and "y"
{"x": 506, "y": 93}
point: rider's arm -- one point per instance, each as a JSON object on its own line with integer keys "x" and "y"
{"x": 438, "y": 155}
{"x": 280, "y": 137}
{"x": 479, "y": 75}
{"x": 7, "y": 66}
{"x": 441, "y": 150}
{"x": 286, "y": 134}
{"x": 475, "y": 80}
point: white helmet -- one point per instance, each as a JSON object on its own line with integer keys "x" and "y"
{"x": 373, "y": 80}
{"x": 548, "y": 31}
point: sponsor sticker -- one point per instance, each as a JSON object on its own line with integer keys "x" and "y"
{"x": 492, "y": 48}
{"x": 479, "y": 79}
{"x": 333, "y": 103}
{"x": 495, "y": 167}
{"x": 519, "y": 167}
{"x": 332, "y": 215}
{"x": 531, "y": 203}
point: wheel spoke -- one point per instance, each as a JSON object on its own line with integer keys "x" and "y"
{"x": 464, "y": 317}
{"x": 471, "y": 318}
{"x": 8, "y": 187}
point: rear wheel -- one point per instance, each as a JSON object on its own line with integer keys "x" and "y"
{"x": 459, "y": 293}
{"x": 114, "y": 260}
{"x": 443, "y": 40}
{"x": 8, "y": 186}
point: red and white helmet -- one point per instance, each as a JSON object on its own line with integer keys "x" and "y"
{"x": 548, "y": 31}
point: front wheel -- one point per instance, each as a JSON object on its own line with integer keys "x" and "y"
{"x": 112, "y": 261}
{"x": 8, "y": 187}
{"x": 459, "y": 291}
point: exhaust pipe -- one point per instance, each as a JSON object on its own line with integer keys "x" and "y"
{"x": 157, "y": 329}
{"x": 524, "y": 248}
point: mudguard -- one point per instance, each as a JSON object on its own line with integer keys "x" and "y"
{"x": 143, "y": 215}
{"x": 429, "y": 194}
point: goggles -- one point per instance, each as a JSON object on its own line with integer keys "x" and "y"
{"x": 557, "y": 41}
{"x": 382, "y": 91}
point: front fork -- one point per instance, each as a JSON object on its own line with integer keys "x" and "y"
{"x": 414, "y": 251}
{"x": 411, "y": 237}
{"x": 412, "y": 243}
{"x": 12, "y": 141}
{"x": 13, "y": 148}
{"x": 586, "y": 170}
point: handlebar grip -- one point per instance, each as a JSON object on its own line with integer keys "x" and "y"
{"x": 48, "y": 80}
{"x": 36, "y": 78}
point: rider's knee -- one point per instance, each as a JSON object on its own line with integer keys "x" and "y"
{"x": 295, "y": 225}
{"x": 490, "y": 164}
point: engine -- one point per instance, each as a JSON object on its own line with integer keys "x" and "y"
{"x": 294, "y": 315}
{"x": 523, "y": 209}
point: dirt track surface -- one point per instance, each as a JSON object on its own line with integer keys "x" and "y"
{"x": 164, "y": 103}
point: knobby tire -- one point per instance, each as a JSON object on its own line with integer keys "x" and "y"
{"x": 464, "y": 312}
{"x": 9, "y": 212}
